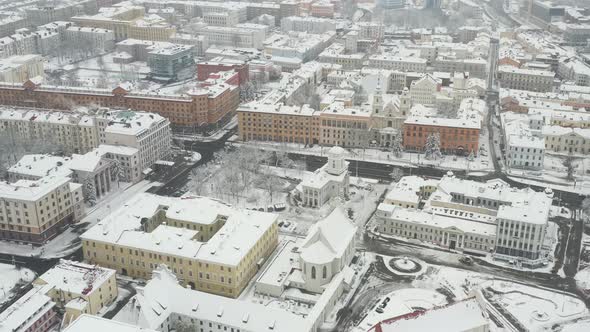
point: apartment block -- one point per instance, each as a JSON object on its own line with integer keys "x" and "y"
{"x": 199, "y": 108}
{"x": 19, "y": 68}
{"x": 33, "y": 312}
{"x": 35, "y": 211}
{"x": 209, "y": 245}
{"x": 79, "y": 288}
{"x": 525, "y": 79}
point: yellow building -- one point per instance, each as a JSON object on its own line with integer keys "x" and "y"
{"x": 79, "y": 288}
{"x": 128, "y": 22}
{"x": 209, "y": 245}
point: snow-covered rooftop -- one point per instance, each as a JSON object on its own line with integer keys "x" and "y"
{"x": 424, "y": 218}
{"x": 76, "y": 277}
{"x": 228, "y": 246}
{"x": 163, "y": 296}
{"x": 91, "y": 323}
{"x": 22, "y": 314}
{"x": 328, "y": 239}
{"x": 466, "y": 315}
{"x": 32, "y": 190}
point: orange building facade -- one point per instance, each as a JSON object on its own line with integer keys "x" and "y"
{"x": 453, "y": 139}
{"x": 202, "y": 108}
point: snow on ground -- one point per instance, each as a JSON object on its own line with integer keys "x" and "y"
{"x": 580, "y": 326}
{"x": 480, "y": 163}
{"x": 401, "y": 302}
{"x": 65, "y": 243}
{"x": 10, "y": 276}
{"x": 534, "y": 307}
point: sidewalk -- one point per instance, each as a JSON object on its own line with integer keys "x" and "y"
{"x": 408, "y": 159}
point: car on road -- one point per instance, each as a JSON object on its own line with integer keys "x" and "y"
{"x": 466, "y": 260}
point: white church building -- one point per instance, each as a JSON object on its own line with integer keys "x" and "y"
{"x": 327, "y": 250}
{"x": 331, "y": 180}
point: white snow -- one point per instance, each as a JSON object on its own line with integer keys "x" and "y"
{"x": 10, "y": 276}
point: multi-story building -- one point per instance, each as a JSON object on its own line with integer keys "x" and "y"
{"x": 525, "y": 79}
{"x": 574, "y": 70}
{"x": 424, "y": 90}
{"x": 370, "y": 30}
{"x": 299, "y": 45}
{"x": 79, "y": 288}
{"x": 199, "y": 43}
{"x": 128, "y": 22}
{"x": 577, "y": 34}
{"x": 99, "y": 39}
{"x": 166, "y": 305}
{"x": 567, "y": 140}
{"x": 315, "y": 25}
{"x": 469, "y": 216}
{"x": 322, "y": 9}
{"x": 279, "y": 123}
{"x": 12, "y": 22}
{"x": 199, "y": 108}
{"x": 386, "y": 61}
{"x": 20, "y": 43}
{"x": 344, "y": 126}
{"x": 40, "y": 14}
{"x": 20, "y": 68}
{"x": 33, "y": 312}
{"x": 171, "y": 63}
{"x": 525, "y": 151}
{"x": 233, "y": 36}
{"x": 289, "y": 8}
{"x": 392, "y": 4}
{"x": 256, "y": 9}
{"x": 35, "y": 211}
{"x": 223, "y": 19}
{"x": 475, "y": 67}
{"x": 457, "y": 135}
{"x": 209, "y": 245}
{"x": 521, "y": 231}
{"x": 80, "y": 133}
{"x": 336, "y": 54}
{"x": 220, "y": 64}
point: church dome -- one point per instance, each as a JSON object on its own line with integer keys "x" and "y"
{"x": 336, "y": 151}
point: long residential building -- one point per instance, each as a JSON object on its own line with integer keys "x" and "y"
{"x": 457, "y": 135}
{"x": 469, "y": 216}
{"x": 200, "y": 107}
{"x": 128, "y": 22}
{"x": 80, "y": 133}
{"x": 334, "y": 125}
{"x": 209, "y": 245}
{"x": 525, "y": 79}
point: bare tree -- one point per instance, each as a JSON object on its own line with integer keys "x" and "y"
{"x": 568, "y": 163}
{"x": 396, "y": 174}
{"x": 397, "y": 146}
{"x": 270, "y": 183}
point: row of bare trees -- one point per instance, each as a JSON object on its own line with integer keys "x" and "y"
{"x": 233, "y": 174}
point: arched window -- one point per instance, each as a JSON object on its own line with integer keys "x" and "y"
{"x": 313, "y": 272}
{"x": 324, "y": 272}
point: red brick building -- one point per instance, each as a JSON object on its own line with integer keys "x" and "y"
{"x": 457, "y": 136}
{"x": 206, "y": 68}
{"x": 199, "y": 108}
